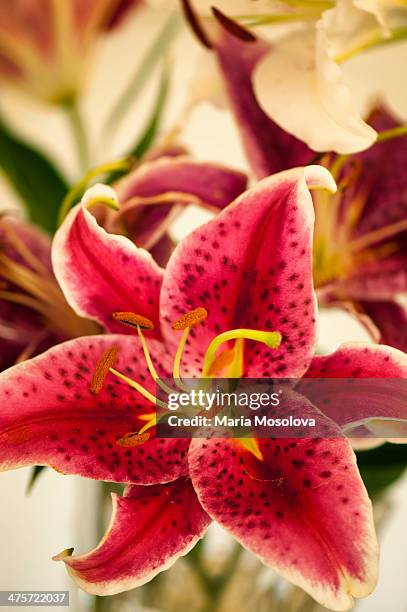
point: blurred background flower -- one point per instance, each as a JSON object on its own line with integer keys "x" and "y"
{"x": 46, "y": 45}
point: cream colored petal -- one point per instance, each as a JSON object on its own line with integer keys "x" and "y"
{"x": 390, "y": 14}
{"x": 301, "y": 88}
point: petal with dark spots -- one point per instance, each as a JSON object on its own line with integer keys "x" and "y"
{"x": 50, "y": 417}
{"x": 150, "y": 528}
{"x": 365, "y": 384}
{"x": 101, "y": 273}
{"x": 303, "y": 510}
{"x": 250, "y": 267}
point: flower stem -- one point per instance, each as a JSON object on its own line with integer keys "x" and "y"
{"x": 78, "y": 132}
{"x": 213, "y": 586}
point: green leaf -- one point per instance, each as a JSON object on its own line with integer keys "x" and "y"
{"x": 33, "y": 176}
{"x": 150, "y": 132}
{"x": 118, "y": 168}
{"x": 380, "y": 467}
{"x": 153, "y": 124}
{"x": 152, "y": 58}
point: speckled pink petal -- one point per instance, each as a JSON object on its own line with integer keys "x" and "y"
{"x": 150, "y": 528}
{"x": 268, "y": 148}
{"x": 102, "y": 273}
{"x": 250, "y": 267}
{"x": 379, "y": 391}
{"x": 49, "y": 416}
{"x": 303, "y": 510}
{"x": 390, "y": 319}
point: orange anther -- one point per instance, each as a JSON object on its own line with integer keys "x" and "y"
{"x": 191, "y": 318}
{"x": 107, "y": 361}
{"x": 133, "y": 320}
{"x": 133, "y": 439}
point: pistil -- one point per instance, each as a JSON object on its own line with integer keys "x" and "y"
{"x": 270, "y": 339}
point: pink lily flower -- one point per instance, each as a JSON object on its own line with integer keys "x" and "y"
{"x": 360, "y": 234}
{"x": 300, "y": 505}
{"x": 44, "y": 45}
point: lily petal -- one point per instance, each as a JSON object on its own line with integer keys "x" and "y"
{"x": 206, "y": 183}
{"x": 150, "y": 528}
{"x": 175, "y": 180}
{"x": 302, "y": 508}
{"x": 250, "y": 267}
{"x": 326, "y": 119}
{"x": 350, "y": 403}
{"x": 390, "y": 319}
{"x": 50, "y": 417}
{"x": 268, "y": 147}
{"x": 102, "y": 273}
{"x": 376, "y": 280}
{"x": 383, "y": 176}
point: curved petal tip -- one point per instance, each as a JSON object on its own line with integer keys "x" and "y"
{"x": 318, "y": 177}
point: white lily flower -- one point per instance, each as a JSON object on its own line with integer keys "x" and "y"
{"x": 300, "y": 86}
{"x": 299, "y": 82}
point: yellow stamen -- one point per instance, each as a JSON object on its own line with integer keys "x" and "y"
{"x": 400, "y": 130}
{"x": 139, "y": 322}
{"x": 177, "y": 360}
{"x": 151, "y": 423}
{"x": 135, "y": 385}
{"x": 190, "y": 319}
{"x": 378, "y": 235}
{"x": 134, "y": 320}
{"x": 107, "y": 360}
{"x": 355, "y": 169}
{"x": 270, "y": 339}
{"x": 251, "y": 445}
{"x": 150, "y": 364}
{"x": 133, "y": 439}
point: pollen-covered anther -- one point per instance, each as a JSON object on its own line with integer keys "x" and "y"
{"x": 63, "y": 554}
{"x": 191, "y": 318}
{"x": 133, "y": 439}
{"x": 131, "y": 319}
{"x": 107, "y": 361}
